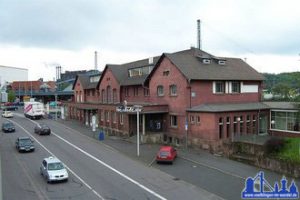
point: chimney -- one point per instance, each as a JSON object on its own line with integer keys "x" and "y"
{"x": 96, "y": 64}
{"x": 199, "y": 34}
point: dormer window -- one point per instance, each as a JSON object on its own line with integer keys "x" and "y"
{"x": 140, "y": 71}
{"x": 206, "y": 61}
{"x": 221, "y": 62}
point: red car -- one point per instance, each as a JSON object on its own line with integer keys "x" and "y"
{"x": 166, "y": 154}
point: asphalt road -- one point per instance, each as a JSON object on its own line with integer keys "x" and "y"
{"x": 96, "y": 170}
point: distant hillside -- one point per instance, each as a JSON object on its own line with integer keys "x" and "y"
{"x": 291, "y": 80}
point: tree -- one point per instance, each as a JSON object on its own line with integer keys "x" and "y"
{"x": 11, "y": 96}
{"x": 284, "y": 90}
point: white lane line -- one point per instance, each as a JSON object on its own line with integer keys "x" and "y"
{"x": 78, "y": 177}
{"x": 214, "y": 168}
{"x": 109, "y": 167}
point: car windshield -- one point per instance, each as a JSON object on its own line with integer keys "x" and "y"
{"x": 44, "y": 127}
{"x": 55, "y": 166}
{"x": 164, "y": 153}
{"x": 25, "y": 142}
{"x": 8, "y": 125}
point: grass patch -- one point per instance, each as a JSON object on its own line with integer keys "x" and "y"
{"x": 290, "y": 150}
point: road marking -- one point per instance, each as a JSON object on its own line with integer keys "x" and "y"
{"x": 87, "y": 185}
{"x": 41, "y": 194}
{"x": 214, "y": 168}
{"x": 113, "y": 169}
{"x": 108, "y": 166}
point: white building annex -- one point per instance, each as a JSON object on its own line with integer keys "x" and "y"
{"x": 10, "y": 74}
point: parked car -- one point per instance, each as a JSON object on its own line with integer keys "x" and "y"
{"x": 53, "y": 170}
{"x": 166, "y": 154}
{"x": 8, "y": 127}
{"x": 42, "y": 129}
{"x": 24, "y": 144}
{"x": 7, "y": 114}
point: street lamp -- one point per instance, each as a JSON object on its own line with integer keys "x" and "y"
{"x": 55, "y": 95}
{"x": 133, "y": 109}
{"x": 138, "y": 109}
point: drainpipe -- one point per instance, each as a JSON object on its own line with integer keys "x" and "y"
{"x": 258, "y": 121}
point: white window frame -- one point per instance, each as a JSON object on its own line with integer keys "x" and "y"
{"x": 192, "y": 119}
{"x": 171, "y": 90}
{"x": 158, "y": 92}
{"x": 215, "y": 87}
{"x": 107, "y": 116}
{"x": 172, "y": 121}
{"x": 102, "y": 115}
{"x": 114, "y": 117}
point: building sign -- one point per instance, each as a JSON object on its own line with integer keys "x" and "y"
{"x": 128, "y": 109}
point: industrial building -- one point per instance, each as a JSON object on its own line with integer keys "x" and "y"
{"x": 11, "y": 74}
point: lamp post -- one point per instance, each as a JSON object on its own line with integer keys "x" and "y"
{"x": 138, "y": 110}
{"x": 133, "y": 109}
{"x": 55, "y": 95}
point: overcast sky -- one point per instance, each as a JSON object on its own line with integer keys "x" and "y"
{"x": 40, "y": 34}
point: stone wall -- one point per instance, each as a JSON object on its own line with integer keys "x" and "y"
{"x": 254, "y": 154}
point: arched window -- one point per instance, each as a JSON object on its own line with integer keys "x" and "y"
{"x": 220, "y": 128}
{"x": 103, "y": 95}
{"x": 115, "y": 95}
{"x": 160, "y": 90}
{"x": 108, "y": 95}
{"x": 173, "y": 90}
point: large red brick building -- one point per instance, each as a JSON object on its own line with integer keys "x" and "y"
{"x": 184, "y": 96}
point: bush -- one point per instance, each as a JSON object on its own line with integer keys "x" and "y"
{"x": 274, "y": 145}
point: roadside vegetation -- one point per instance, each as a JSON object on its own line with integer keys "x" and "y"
{"x": 287, "y": 149}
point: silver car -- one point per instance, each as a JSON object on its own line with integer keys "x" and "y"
{"x": 53, "y": 170}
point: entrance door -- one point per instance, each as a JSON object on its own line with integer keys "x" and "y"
{"x": 263, "y": 124}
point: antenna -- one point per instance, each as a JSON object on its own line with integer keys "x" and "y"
{"x": 199, "y": 34}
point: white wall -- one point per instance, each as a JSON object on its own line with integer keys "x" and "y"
{"x": 10, "y": 74}
{"x": 249, "y": 88}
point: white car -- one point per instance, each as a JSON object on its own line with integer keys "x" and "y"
{"x": 53, "y": 170}
{"x": 7, "y": 114}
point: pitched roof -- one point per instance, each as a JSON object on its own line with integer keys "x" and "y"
{"x": 85, "y": 80}
{"x": 121, "y": 71}
{"x": 283, "y": 105}
{"x": 226, "y": 107}
{"x": 190, "y": 63}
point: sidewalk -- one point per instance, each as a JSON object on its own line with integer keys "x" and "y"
{"x": 148, "y": 152}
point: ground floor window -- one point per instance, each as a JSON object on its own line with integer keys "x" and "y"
{"x": 220, "y": 128}
{"x": 285, "y": 120}
{"x": 173, "y": 121}
{"x": 121, "y": 118}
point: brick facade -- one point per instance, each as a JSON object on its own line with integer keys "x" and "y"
{"x": 166, "y": 95}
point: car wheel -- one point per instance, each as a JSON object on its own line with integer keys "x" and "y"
{"x": 48, "y": 180}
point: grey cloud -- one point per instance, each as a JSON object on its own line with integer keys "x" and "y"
{"x": 152, "y": 26}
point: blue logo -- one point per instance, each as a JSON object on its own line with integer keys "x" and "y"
{"x": 259, "y": 188}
